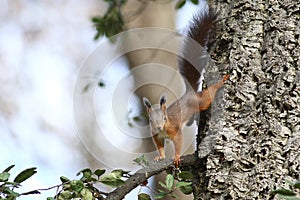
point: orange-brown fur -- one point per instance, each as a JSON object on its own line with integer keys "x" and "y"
{"x": 167, "y": 123}
{"x": 178, "y": 113}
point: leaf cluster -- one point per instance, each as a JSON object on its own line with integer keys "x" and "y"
{"x": 112, "y": 22}
{"x": 169, "y": 186}
{"x": 8, "y": 188}
{"x": 84, "y": 188}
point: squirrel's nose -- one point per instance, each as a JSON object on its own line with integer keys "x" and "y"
{"x": 160, "y": 128}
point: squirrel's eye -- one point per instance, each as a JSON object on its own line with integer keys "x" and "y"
{"x": 165, "y": 118}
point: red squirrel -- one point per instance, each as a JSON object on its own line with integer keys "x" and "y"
{"x": 167, "y": 123}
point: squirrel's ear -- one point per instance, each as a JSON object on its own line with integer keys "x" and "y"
{"x": 147, "y": 104}
{"x": 163, "y": 103}
{"x": 162, "y": 100}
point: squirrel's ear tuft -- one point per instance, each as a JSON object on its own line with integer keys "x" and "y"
{"x": 162, "y": 100}
{"x": 147, "y": 102}
{"x": 163, "y": 103}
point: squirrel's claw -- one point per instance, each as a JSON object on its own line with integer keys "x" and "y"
{"x": 157, "y": 158}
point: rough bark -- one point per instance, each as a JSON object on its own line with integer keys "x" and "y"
{"x": 256, "y": 125}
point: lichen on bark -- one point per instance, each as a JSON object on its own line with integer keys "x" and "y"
{"x": 256, "y": 129}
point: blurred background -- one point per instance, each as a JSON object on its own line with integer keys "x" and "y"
{"x": 43, "y": 45}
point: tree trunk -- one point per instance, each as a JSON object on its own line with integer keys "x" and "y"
{"x": 158, "y": 15}
{"x": 253, "y": 135}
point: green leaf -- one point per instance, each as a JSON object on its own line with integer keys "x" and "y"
{"x": 64, "y": 195}
{"x": 64, "y": 179}
{"x": 87, "y": 175}
{"x": 284, "y": 192}
{"x": 14, "y": 184}
{"x": 77, "y": 185}
{"x": 113, "y": 179}
{"x": 143, "y": 196}
{"x": 186, "y": 175}
{"x": 138, "y": 160}
{"x": 50, "y": 198}
{"x": 297, "y": 185}
{"x": 111, "y": 23}
{"x": 10, "y": 192}
{"x": 99, "y": 172}
{"x": 289, "y": 182}
{"x": 24, "y": 175}
{"x": 10, "y": 198}
{"x": 186, "y": 189}
{"x": 180, "y": 4}
{"x": 182, "y": 184}
{"x": 8, "y": 168}
{"x": 174, "y": 196}
{"x": 66, "y": 186}
{"x": 113, "y": 182}
{"x": 288, "y": 197}
{"x": 86, "y": 194}
{"x": 160, "y": 195}
{"x": 4, "y": 176}
{"x": 118, "y": 173}
{"x": 162, "y": 184}
{"x": 195, "y": 2}
{"x": 169, "y": 181}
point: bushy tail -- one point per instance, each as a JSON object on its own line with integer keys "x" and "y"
{"x": 194, "y": 57}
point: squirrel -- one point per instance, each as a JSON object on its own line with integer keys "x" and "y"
{"x": 166, "y": 123}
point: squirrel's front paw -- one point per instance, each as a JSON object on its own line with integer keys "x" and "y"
{"x": 157, "y": 158}
{"x": 176, "y": 161}
{"x": 226, "y": 77}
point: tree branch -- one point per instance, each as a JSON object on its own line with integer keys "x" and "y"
{"x": 143, "y": 174}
